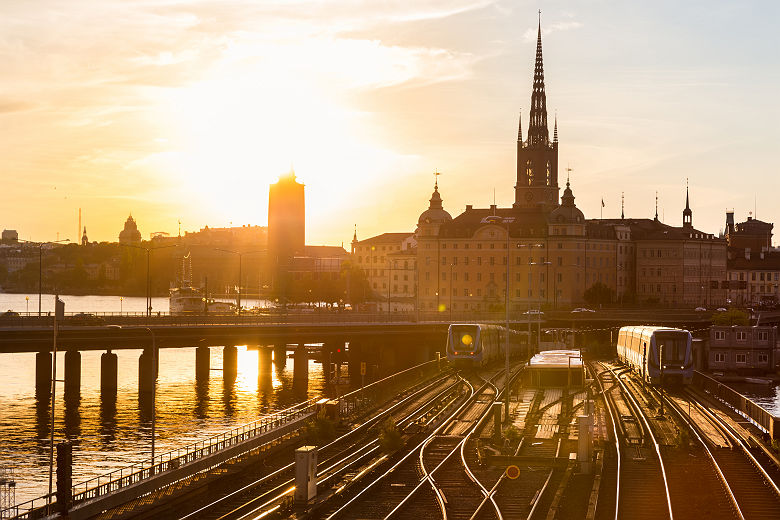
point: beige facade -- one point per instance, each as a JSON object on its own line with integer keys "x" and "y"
{"x": 389, "y": 262}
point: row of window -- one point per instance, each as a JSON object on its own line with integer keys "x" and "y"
{"x": 741, "y": 358}
{"x": 742, "y": 335}
{"x": 489, "y": 292}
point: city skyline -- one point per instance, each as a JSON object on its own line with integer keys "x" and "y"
{"x": 198, "y": 111}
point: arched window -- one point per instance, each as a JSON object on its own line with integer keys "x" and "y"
{"x": 549, "y": 174}
{"x": 529, "y": 172}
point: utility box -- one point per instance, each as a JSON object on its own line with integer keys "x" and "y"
{"x": 305, "y": 474}
{"x": 585, "y": 442}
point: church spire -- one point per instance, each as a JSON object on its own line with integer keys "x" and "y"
{"x": 538, "y": 134}
{"x": 520, "y": 128}
{"x": 687, "y": 213}
{"x": 555, "y": 133}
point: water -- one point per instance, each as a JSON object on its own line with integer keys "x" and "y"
{"x": 764, "y": 395}
{"x": 111, "y": 434}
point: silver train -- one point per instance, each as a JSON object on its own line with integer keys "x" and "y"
{"x": 475, "y": 345}
{"x": 639, "y": 348}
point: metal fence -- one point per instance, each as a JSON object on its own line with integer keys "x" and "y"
{"x": 755, "y": 413}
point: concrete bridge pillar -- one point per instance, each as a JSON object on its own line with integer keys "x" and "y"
{"x": 264, "y": 361}
{"x": 325, "y": 357}
{"x": 108, "y": 373}
{"x": 229, "y": 363}
{"x": 72, "y": 371}
{"x": 147, "y": 375}
{"x": 301, "y": 364}
{"x": 280, "y": 354}
{"x": 202, "y": 363}
{"x": 43, "y": 373}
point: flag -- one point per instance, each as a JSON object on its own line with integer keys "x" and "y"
{"x": 602, "y": 202}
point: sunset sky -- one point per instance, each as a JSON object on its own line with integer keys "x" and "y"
{"x": 187, "y": 110}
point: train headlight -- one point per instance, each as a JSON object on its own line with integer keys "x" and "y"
{"x": 466, "y": 339}
{"x": 471, "y": 353}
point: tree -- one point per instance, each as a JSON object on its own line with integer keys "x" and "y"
{"x": 598, "y": 293}
{"x": 731, "y": 317}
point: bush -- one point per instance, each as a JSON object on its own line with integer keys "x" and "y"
{"x": 389, "y": 437}
{"x": 321, "y": 429}
{"x": 512, "y": 434}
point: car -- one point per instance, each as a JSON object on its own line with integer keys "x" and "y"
{"x": 9, "y": 315}
{"x": 534, "y": 312}
{"x": 86, "y": 319}
{"x": 722, "y": 309}
{"x": 582, "y": 309}
{"x": 700, "y": 309}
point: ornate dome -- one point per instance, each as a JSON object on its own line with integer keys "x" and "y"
{"x": 567, "y": 212}
{"x": 435, "y": 213}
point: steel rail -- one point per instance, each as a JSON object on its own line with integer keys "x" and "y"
{"x": 735, "y": 438}
{"x": 649, "y": 430}
{"x": 691, "y": 426}
{"x": 277, "y": 473}
{"x": 609, "y": 406}
{"x": 395, "y": 466}
{"x": 428, "y": 475}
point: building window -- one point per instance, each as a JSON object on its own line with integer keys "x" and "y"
{"x": 720, "y": 334}
{"x": 741, "y": 358}
{"x": 549, "y": 175}
{"x": 741, "y": 336}
{"x": 529, "y": 172}
{"x": 444, "y": 260}
{"x": 466, "y": 276}
{"x": 479, "y": 260}
{"x": 427, "y": 276}
{"x": 720, "y": 357}
{"x": 479, "y": 277}
{"x": 763, "y": 336}
{"x": 763, "y": 358}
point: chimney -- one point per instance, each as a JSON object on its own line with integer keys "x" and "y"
{"x": 469, "y": 207}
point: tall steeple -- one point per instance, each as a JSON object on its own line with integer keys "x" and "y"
{"x": 687, "y": 213}
{"x": 537, "y": 157}
{"x": 538, "y": 134}
{"x": 555, "y": 135}
{"x": 520, "y": 129}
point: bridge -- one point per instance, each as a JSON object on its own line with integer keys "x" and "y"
{"x": 389, "y": 342}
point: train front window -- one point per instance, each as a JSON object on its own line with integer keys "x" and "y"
{"x": 675, "y": 345}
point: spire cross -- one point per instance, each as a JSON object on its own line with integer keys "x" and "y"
{"x": 436, "y": 174}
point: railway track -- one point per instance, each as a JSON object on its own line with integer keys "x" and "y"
{"x": 753, "y": 491}
{"x": 410, "y": 485}
{"x": 703, "y": 474}
{"x": 274, "y": 490}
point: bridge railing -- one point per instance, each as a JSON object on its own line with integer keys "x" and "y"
{"x": 129, "y": 475}
{"x": 369, "y": 396}
{"x": 750, "y": 410}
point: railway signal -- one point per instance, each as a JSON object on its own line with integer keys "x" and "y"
{"x": 512, "y": 472}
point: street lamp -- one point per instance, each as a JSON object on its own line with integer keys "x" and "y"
{"x": 40, "y": 263}
{"x": 148, "y": 271}
{"x": 121, "y": 310}
{"x": 27, "y": 303}
{"x": 451, "y": 265}
{"x": 495, "y": 219}
{"x": 240, "y": 257}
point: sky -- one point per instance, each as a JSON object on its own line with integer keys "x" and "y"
{"x": 177, "y": 110}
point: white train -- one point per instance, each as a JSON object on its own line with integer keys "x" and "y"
{"x": 473, "y": 345}
{"x": 639, "y": 347}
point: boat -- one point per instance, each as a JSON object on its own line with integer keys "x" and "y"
{"x": 186, "y": 299}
